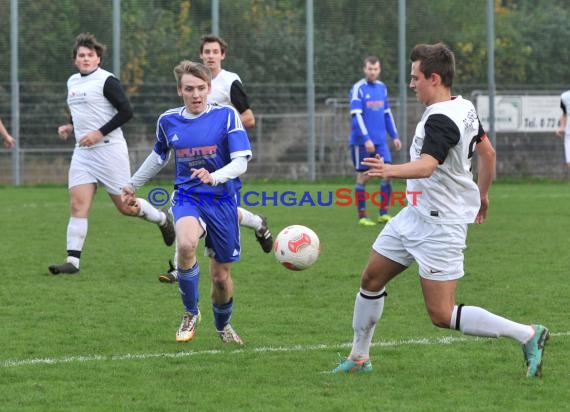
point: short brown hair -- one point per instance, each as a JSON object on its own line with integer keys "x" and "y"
{"x": 212, "y": 38}
{"x": 371, "y": 59}
{"x": 88, "y": 40}
{"x": 192, "y": 68}
{"x": 435, "y": 58}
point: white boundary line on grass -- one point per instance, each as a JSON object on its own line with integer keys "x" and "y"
{"x": 446, "y": 340}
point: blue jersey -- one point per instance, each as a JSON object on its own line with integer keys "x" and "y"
{"x": 209, "y": 140}
{"x": 371, "y": 101}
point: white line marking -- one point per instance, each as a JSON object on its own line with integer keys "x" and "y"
{"x": 446, "y": 340}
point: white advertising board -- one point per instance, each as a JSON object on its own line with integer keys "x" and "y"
{"x": 521, "y": 113}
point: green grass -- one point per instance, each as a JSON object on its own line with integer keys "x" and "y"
{"x": 104, "y": 340}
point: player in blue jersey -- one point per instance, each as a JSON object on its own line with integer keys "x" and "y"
{"x": 228, "y": 90}
{"x": 211, "y": 150}
{"x": 99, "y": 107}
{"x": 433, "y": 232}
{"x": 371, "y": 119}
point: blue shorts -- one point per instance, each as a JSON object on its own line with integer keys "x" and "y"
{"x": 219, "y": 218}
{"x": 358, "y": 153}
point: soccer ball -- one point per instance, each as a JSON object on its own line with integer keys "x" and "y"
{"x": 296, "y": 247}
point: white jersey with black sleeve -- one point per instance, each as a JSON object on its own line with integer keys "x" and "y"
{"x": 90, "y": 109}
{"x": 448, "y": 131}
{"x": 228, "y": 90}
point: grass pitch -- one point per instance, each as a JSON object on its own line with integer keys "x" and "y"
{"x": 104, "y": 340}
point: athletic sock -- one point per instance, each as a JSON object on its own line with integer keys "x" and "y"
{"x": 175, "y": 259}
{"x": 188, "y": 284}
{"x": 76, "y": 234}
{"x": 72, "y": 259}
{"x": 475, "y": 321}
{"x": 249, "y": 219}
{"x": 222, "y": 314}
{"x": 150, "y": 213}
{"x": 368, "y": 308}
{"x": 359, "y": 194}
{"x": 386, "y": 190}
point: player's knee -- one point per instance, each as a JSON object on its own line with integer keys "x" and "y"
{"x": 221, "y": 280}
{"x": 370, "y": 280}
{"x": 440, "y": 318}
{"x": 78, "y": 208}
{"x": 187, "y": 246}
{"x": 366, "y": 279}
{"x": 221, "y": 276}
{"x": 361, "y": 178}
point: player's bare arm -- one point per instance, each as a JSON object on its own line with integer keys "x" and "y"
{"x": 91, "y": 138}
{"x": 486, "y": 158}
{"x": 203, "y": 175}
{"x": 397, "y": 144}
{"x": 369, "y": 145}
{"x": 128, "y": 196}
{"x": 421, "y": 168}
{"x": 560, "y": 130}
{"x": 247, "y": 118}
{"x": 64, "y": 131}
{"x": 9, "y": 141}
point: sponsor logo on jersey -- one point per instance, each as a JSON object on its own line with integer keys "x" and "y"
{"x": 375, "y": 104}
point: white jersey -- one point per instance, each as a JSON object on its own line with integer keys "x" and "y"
{"x": 565, "y": 105}
{"x": 221, "y": 87}
{"x": 89, "y": 108}
{"x": 449, "y": 195}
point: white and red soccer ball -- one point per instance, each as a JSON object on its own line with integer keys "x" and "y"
{"x": 296, "y": 247}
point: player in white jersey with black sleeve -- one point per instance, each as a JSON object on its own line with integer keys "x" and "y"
{"x": 228, "y": 90}
{"x": 564, "y": 129}
{"x": 99, "y": 107}
{"x": 433, "y": 231}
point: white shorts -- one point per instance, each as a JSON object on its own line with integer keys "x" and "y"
{"x": 108, "y": 165}
{"x": 437, "y": 248}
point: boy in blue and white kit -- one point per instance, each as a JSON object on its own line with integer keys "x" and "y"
{"x": 211, "y": 150}
{"x": 371, "y": 118}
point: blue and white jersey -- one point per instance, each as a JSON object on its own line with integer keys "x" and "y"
{"x": 210, "y": 140}
{"x": 371, "y": 101}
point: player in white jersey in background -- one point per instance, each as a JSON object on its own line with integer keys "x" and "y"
{"x": 433, "y": 233}
{"x": 228, "y": 90}
{"x": 211, "y": 150}
{"x": 564, "y": 129}
{"x": 99, "y": 107}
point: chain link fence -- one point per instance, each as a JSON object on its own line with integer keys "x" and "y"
{"x": 267, "y": 42}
